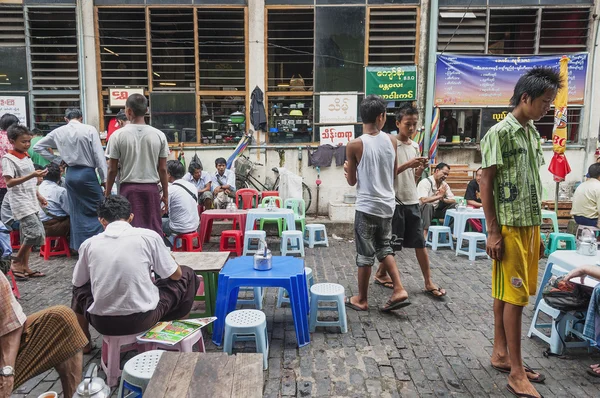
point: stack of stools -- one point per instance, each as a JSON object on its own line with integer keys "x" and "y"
{"x": 55, "y": 246}
{"x": 185, "y": 243}
{"x": 284, "y": 298}
{"x": 433, "y": 237}
{"x": 237, "y": 236}
{"x": 247, "y": 325}
{"x": 315, "y": 234}
{"x": 328, "y": 292}
{"x": 292, "y": 243}
{"x": 137, "y": 373}
{"x": 472, "y": 239}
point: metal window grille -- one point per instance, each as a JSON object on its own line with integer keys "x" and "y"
{"x": 12, "y": 26}
{"x": 512, "y": 31}
{"x": 466, "y": 37}
{"x": 392, "y": 36}
{"x": 563, "y": 30}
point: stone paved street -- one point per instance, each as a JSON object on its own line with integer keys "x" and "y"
{"x": 431, "y": 348}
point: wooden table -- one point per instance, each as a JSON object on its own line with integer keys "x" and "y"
{"x": 214, "y": 375}
{"x": 207, "y": 265}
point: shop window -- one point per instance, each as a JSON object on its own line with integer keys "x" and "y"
{"x": 172, "y": 49}
{"x": 290, "y": 119}
{"x": 461, "y": 31}
{"x": 49, "y": 109}
{"x": 512, "y": 31}
{"x": 222, "y": 49}
{"x": 290, "y": 37}
{"x": 13, "y": 72}
{"x": 223, "y": 119}
{"x": 122, "y": 47}
{"x": 459, "y": 124}
{"x": 546, "y": 124}
{"x": 175, "y": 115}
{"x": 564, "y": 31}
{"x": 12, "y": 26}
{"x": 340, "y": 48}
{"x": 392, "y": 36}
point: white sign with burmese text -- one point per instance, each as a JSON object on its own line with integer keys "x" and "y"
{"x": 338, "y": 108}
{"x": 118, "y": 96}
{"x": 336, "y": 135}
{"x": 14, "y": 105}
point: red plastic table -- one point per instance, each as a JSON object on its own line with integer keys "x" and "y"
{"x": 208, "y": 216}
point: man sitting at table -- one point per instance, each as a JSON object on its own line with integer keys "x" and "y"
{"x": 183, "y": 202}
{"x": 113, "y": 288}
{"x": 586, "y": 199}
{"x": 473, "y": 199}
{"x": 435, "y": 196}
{"x": 202, "y": 181}
{"x": 223, "y": 184}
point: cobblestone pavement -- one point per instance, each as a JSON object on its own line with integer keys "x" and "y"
{"x": 431, "y": 348}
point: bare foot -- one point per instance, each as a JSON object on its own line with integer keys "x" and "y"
{"x": 522, "y": 385}
{"x": 363, "y": 306}
{"x": 403, "y": 295}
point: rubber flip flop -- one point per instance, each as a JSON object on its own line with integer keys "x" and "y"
{"x": 36, "y": 274}
{"x": 349, "y": 304}
{"x": 439, "y": 289}
{"x": 520, "y": 394}
{"x": 592, "y": 373}
{"x": 391, "y": 306}
{"x": 387, "y": 284}
{"x": 20, "y": 276}
{"x": 539, "y": 379}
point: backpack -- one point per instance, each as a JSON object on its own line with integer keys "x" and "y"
{"x": 566, "y": 296}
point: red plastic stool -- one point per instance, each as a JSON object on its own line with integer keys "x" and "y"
{"x": 15, "y": 240}
{"x": 13, "y": 282}
{"x": 55, "y": 246}
{"x": 236, "y": 235}
{"x": 186, "y": 243}
{"x": 264, "y": 194}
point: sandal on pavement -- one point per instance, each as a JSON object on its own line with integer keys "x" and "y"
{"x": 592, "y": 372}
{"x": 520, "y": 394}
{"x": 20, "y": 276}
{"x": 35, "y": 274}
{"x": 539, "y": 379}
{"x": 390, "y": 305}
{"x": 387, "y": 284}
{"x": 349, "y": 304}
{"x": 433, "y": 294}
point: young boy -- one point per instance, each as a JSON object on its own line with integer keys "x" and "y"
{"x": 55, "y": 216}
{"x": 511, "y": 191}
{"x": 21, "y": 180}
{"x": 371, "y": 166}
{"x": 183, "y": 202}
{"x": 407, "y": 226}
{"x": 223, "y": 184}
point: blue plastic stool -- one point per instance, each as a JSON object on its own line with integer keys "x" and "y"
{"x": 472, "y": 250}
{"x": 329, "y": 292}
{"x": 556, "y": 237}
{"x": 292, "y": 243}
{"x": 249, "y": 236}
{"x": 433, "y": 237}
{"x": 315, "y": 234}
{"x": 281, "y": 298}
{"x": 256, "y": 300}
{"x": 247, "y": 325}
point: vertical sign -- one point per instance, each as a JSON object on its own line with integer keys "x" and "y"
{"x": 14, "y": 105}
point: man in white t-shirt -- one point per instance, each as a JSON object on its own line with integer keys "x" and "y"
{"x": 407, "y": 226}
{"x": 112, "y": 280}
{"x": 183, "y": 202}
{"x": 435, "y": 196}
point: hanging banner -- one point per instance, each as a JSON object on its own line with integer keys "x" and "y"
{"x": 118, "y": 96}
{"x": 14, "y": 105}
{"x": 397, "y": 83}
{"x": 490, "y": 80}
{"x": 336, "y": 135}
{"x": 334, "y": 108}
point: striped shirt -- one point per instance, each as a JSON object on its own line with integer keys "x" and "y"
{"x": 517, "y": 154}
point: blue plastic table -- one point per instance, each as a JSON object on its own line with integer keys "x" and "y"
{"x": 287, "y": 272}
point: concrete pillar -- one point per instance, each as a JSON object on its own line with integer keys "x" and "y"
{"x": 256, "y": 48}
{"x": 422, "y": 60}
{"x": 89, "y": 71}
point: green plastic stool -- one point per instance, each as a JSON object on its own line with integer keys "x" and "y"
{"x": 299, "y": 208}
{"x": 556, "y": 237}
{"x": 275, "y": 201}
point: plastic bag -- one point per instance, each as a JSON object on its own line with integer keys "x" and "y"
{"x": 290, "y": 184}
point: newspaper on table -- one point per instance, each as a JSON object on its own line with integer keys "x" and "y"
{"x": 173, "y": 332}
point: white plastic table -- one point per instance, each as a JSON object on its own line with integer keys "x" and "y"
{"x": 460, "y": 219}
{"x": 273, "y": 214}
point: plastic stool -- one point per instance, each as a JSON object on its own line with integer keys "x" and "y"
{"x": 15, "y": 240}
{"x": 472, "y": 238}
{"x": 556, "y": 237}
{"x": 185, "y": 243}
{"x": 292, "y": 243}
{"x": 265, "y": 194}
{"x": 234, "y": 234}
{"x": 315, "y": 234}
{"x": 283, "y": 298}
{"x": 137, "y": 373}
{"x": 257, "y": 300}
{"x": 13, "y": 282}
{"x": 433, "y": 237}
{"x": 55, "y": 246}
{"x": 185, "y": 345}
{"x": 250, "y": 248}
{"x": 558, "y": 330}
{"x": 110, "y": 360}
{"x": 240, "y": 325}
{"x": 331, "y": 292}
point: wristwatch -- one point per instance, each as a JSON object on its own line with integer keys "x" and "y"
{"x": 7, "y": 371}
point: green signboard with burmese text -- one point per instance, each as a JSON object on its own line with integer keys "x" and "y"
{"x": 393, "y": 83}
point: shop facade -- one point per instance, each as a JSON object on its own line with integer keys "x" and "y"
{"x": 198, "y": 62}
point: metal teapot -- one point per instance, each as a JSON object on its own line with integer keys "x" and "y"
{"x": 587, "y": 244}
{"x": 92, "y": 386}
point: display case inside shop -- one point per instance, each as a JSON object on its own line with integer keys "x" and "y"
{"x": 175, "y": 115}
{"x": 223, "y": 119}
{"x": 290, "y": 120}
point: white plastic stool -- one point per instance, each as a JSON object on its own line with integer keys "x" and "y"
{"x": 137, "y": 373}
{"x": 249, "y": 236}
{"x": 558, "y": 330}
{"x": 292, "y": 243}
{"x": 240, "y": 325}
{"x": 330, "y": 292}
{"x": 281, "y": 298}
{"x": 315, "y": 234}
{"x": 433, "y": 237}
{"x": 185, "y": 345}
{"x": 472, "y": 238}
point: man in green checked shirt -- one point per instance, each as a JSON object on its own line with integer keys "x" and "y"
{"x": 511, "y": 195}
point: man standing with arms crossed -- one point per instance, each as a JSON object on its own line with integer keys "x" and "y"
{"x": 511, "y": 195}
{"x": 371, "y": 166}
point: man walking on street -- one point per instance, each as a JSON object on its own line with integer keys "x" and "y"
{"x": 371, "y": 166}
{"x": 81, "y": 150}
{"x": 511, "y": 191}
